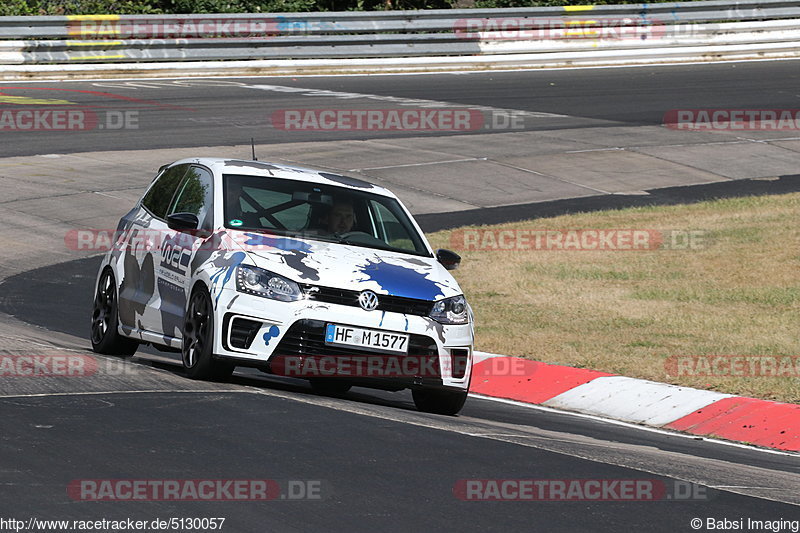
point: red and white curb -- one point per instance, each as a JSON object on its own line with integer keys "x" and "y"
{"x": 698, "y": 412}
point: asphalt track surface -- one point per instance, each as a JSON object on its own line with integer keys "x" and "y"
{"x": 381, "y": 465}
{"x": 215, "y": 114}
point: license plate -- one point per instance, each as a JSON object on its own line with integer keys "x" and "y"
{"x": 383, "y": 341}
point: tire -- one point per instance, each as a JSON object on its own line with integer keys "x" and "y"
{"x": 105, "y": 335}
{"x": 440, "y": 402}
{"x": 197, "y": 350}
{"x": 330, "y": 386}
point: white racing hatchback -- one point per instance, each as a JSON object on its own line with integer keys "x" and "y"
{"x": 297, "y": 272}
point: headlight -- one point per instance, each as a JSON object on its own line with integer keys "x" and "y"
{"x": 450, "y": 310}
{"x": 260, "y": 282}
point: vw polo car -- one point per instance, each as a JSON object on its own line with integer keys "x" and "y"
{"x": 294, "y": 271}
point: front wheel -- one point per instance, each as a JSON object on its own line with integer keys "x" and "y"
{"x": 440, "y": 402}
{"x": 105, "y": 319}
{"x": 197, "y": 350}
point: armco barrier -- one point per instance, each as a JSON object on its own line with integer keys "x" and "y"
{"x": 557, "y": 36}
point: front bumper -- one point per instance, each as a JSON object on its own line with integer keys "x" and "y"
{"x": 263, "y": 332}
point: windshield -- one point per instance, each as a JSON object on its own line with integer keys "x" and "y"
{"x": 319, "y": 212}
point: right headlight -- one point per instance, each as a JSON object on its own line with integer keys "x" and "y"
{"x": 450, "y": 310}
{"x": 260, "y": 282}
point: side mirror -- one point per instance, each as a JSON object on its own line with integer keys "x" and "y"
{"x": 182, "y": 221}
{"x": 449, "y": 260}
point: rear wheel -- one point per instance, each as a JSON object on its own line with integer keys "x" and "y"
{"x": 197, "y": 350}
{"x": 105, "y": 319}
{"x": 441, "y": 402}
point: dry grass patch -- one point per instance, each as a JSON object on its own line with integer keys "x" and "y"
{"x": 628, "y": 312}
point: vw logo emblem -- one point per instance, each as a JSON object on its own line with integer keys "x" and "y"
{"x": 368, "y": 300}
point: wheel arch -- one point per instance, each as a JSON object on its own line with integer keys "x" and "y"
{"x": 197, "y": 285}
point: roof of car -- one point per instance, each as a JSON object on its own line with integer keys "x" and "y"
{"x": 277, "y": 170}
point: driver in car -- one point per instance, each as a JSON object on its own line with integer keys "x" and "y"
{"x": 340, "y": 218}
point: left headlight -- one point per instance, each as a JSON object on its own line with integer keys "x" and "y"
{"x": 450, "y": 311}
{"x": 260, "y": 282}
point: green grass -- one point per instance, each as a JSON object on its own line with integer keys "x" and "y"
{"x": 628, "y": 312}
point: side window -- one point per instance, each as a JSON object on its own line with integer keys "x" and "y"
{"x": 195, "y": 195}
{"x": 158, "y": 197}
{"x": 393, "y": 232}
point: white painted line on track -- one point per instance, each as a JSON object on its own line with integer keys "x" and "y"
{"x": 418, "y": 102}
{"x": 548, "y": 176}
{"x": 325, "y": 403}
{"x": 549, "y": 441}
{"x": 115, "y": 392}
{"x": 740, "y": 487}
{"x": 107, "y": 195}
{"x": 612, "y": 149}
{"x": 420, "y": 164}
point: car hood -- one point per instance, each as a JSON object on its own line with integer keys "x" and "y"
{"x": 351, "y": 267}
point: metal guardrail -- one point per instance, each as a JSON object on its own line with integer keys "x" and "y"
{"x": 768, "y": 26}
